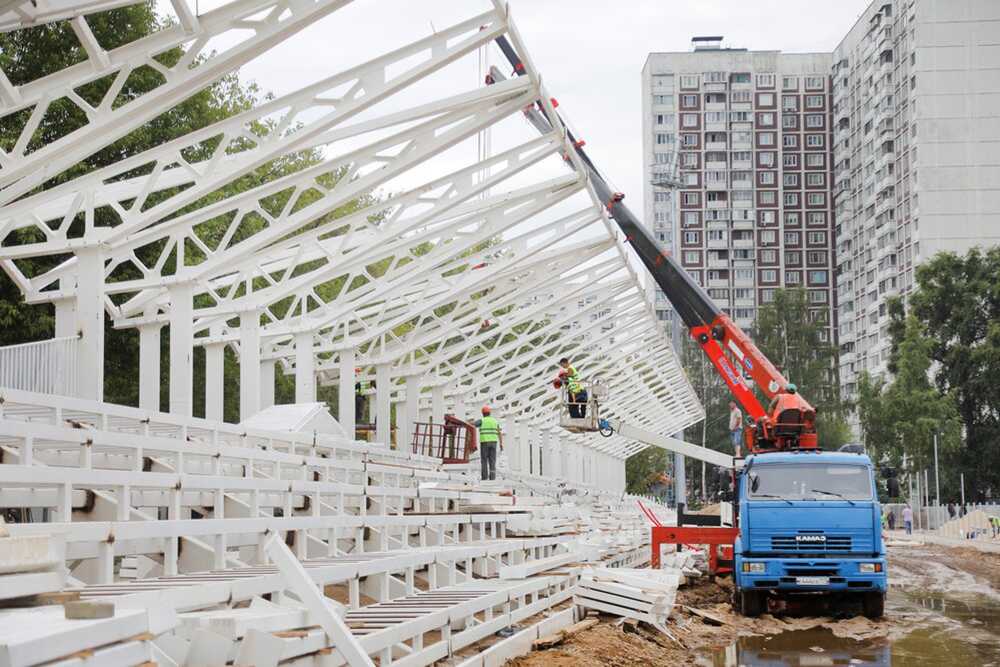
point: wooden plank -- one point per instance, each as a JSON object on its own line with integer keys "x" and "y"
{"x": 532, "y": 567}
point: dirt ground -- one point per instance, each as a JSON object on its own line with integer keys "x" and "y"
{"x": 613, "y": 644}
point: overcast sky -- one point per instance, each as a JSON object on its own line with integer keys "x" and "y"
{"x": 590, "y": 52}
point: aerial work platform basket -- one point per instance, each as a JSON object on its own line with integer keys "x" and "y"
{"x": 585, "y": 417}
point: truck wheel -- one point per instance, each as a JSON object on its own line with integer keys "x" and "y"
{"x": 751, "y": 603}
{"x": 873, "y": 604}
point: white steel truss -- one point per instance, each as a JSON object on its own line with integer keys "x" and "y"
{"x": 449, "y": 277}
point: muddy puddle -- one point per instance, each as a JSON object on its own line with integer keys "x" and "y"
{"x": 931, "y": 628}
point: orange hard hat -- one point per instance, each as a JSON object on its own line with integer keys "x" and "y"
{"x": 563, "y": 374}
{"x": 486, "y": 410}
{"x": 357, "y": 370}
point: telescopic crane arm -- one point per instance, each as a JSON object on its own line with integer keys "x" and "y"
{"x": 713, "y": 330}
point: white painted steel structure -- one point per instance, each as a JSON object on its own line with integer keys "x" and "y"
{"x": 451, "y": 279}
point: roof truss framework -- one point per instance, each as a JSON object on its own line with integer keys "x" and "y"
{"x": 402, "y": 244}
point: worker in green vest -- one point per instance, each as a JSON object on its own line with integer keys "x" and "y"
{"x": 490, "y": 440}
{"x": 361, "y": 390}
{"x": 576, "y": 398}
{"x": 564, "y": 364}
{"x": 995, "y": 524}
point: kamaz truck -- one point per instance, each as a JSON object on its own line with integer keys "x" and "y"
{"x": 809, "y": 522}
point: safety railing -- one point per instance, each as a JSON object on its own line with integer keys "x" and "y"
{"x": 46, "y": 367}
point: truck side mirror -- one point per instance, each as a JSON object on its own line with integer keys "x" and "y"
{"x": 892, "y": 487}
{"x": 888, "y": 472}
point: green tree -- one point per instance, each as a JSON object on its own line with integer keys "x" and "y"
{"x": 791, "y": 337}
{"x": 900, "y": 418}
{"x": 958, "y": 305}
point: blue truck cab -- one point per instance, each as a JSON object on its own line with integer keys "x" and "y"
{"x": 809, "y": 522}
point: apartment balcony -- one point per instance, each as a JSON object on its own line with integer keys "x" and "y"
{"x": 741, "y": 106}
{"x": 743, "y": 282}
{"x": 740, "y": 85}
{"x": 847, "y": 357}
{"x": 744, "y": 303}
{"x": 741, "y": 126}
{"x": 715, "y": 106}
{"x": 716, "y": 145}
{"x": 742, "y": 145}
{"x": 714, "y": 87}
{"x": 743, "y": 224}
{"x": 718, "y": 263}
{"x": 721, "y": 303}
{"x": 718, "y": 282}
{"x": 743, "y": 243}
{"x": 716, "y": 185}
{"x": 717, "y": 204}
{"x": 717, "y": 243}
{"x": 742, "y": 165}
{"x": 718, "y": 224}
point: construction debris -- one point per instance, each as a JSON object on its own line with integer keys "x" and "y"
{"x": 643, "y": 595}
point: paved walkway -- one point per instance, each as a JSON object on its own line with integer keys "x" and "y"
{"x": 929, "y": 538}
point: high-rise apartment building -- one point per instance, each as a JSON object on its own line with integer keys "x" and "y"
{"x": 916, "y": 89}
{"x": 752, "y": 210}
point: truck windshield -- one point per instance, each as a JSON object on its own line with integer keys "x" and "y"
{"x": 810, "y": 482}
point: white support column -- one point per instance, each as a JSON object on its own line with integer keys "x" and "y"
{"x": 149, "y": 366}
{"x": 215, "y": 378}
{"x": 267, "y": 383}
{"x": 249, "y": 364}
{"x": 66, "y": 324}
{"x": 437, "y": 403}
{"x": 460, "y": 405}
{"x": 305, "y": 368}
{"x": 524, "y": 447}
{"x": 546, "y": 453}
{"x": 345, "y": 399}
{"x": 383, "y": 403}
{"x": 564, "y": 468}
{"x": 510, "y": 441}
{"x": 555, "y": 448}
{"x": 90, "y": 323}
{"x": 412, "y": 410}
{"x": 536, "y": 452}
{"x": 181, "y": 348}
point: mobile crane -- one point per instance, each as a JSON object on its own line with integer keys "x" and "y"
{"x": 804, "y": 521}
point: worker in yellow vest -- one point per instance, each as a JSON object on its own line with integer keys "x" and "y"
{"x": 490, "y": 441}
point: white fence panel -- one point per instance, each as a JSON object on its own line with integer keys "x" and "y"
{"x": 46, "y": 367}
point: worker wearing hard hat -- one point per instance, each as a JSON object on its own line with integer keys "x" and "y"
{"x": 789, "y": 400}
{"x": 361, "y": 391}
{"x": 490, "y": 440}
{"x": 564, "y": 364}
{"x": 576, "y": 393}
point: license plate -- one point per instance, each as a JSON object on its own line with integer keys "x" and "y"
{"x": 813, "y": 581}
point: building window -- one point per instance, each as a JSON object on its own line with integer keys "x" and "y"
{"x": 814, "y": 140}
{"x": 739, "y": 116}
{"x": 791, "y": 238}
{"x": 715, "y": 117}
{"x": 742, "y": 156}
{"x": 791, "y": 220}
{"x": 814, "y": 82}
{"x": 663, "y": 119}
{"x": 715, "y": 77}
{"x": 766, "y": 159}
{"x": 664, "y": 99}
{"x": 765, "y": 119}
{"x": 789, "y": 122}
{"x": 791, "y": 160}
{"x": 690, "y": 159}
{"x": 769, "y": 275}
{"x": 817, "y": 277}
{"x": 814, "y": 101}
{"x": 791, "y": 277}
{"x": 767, "y": 218}
{"x": 817, "y": 296}
{"x": 817, "y": 257}
{"x": 817, "y": 238}
{"x": 689, "y": 120}
{"x": 689, "y": 139}
{"x": 790, "y": 180}
{"x": 790, "y": 140}
{"x": 691, "y": 257}
{"x": 689, "y": 101}
{"x": 792, "y": 257}
{"x": 766, "y": 138}
{"x": 663, "y": 79}
{"x": 816, "y": 179}
{"x": 768, "y": 256}
{"x": 765, "y": 81}
{"x": 661, "y": 197}
{"x": 690, "y": 218}
{"x": 817, "y": 218}
{"x": 768, "y": 235}
{"x": 662, "y": 138}
{"x": 789, "y": 102}
{"x": 691, "y": 238}
{"x": 815, "y": 159}
{"x": 662, "y": 217}
{"x": 816, "y": 199}
{"x": 689, "y": 81}
{"x": 814, "y": 120}
{"x": 767, "y": 197}
{"x": 691, "y": 198}
{"x": 791, "y": 199}
{"x": 766, "y": 177}
{"x": 789, "y": 83}
{"x": 662, "y": 158}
